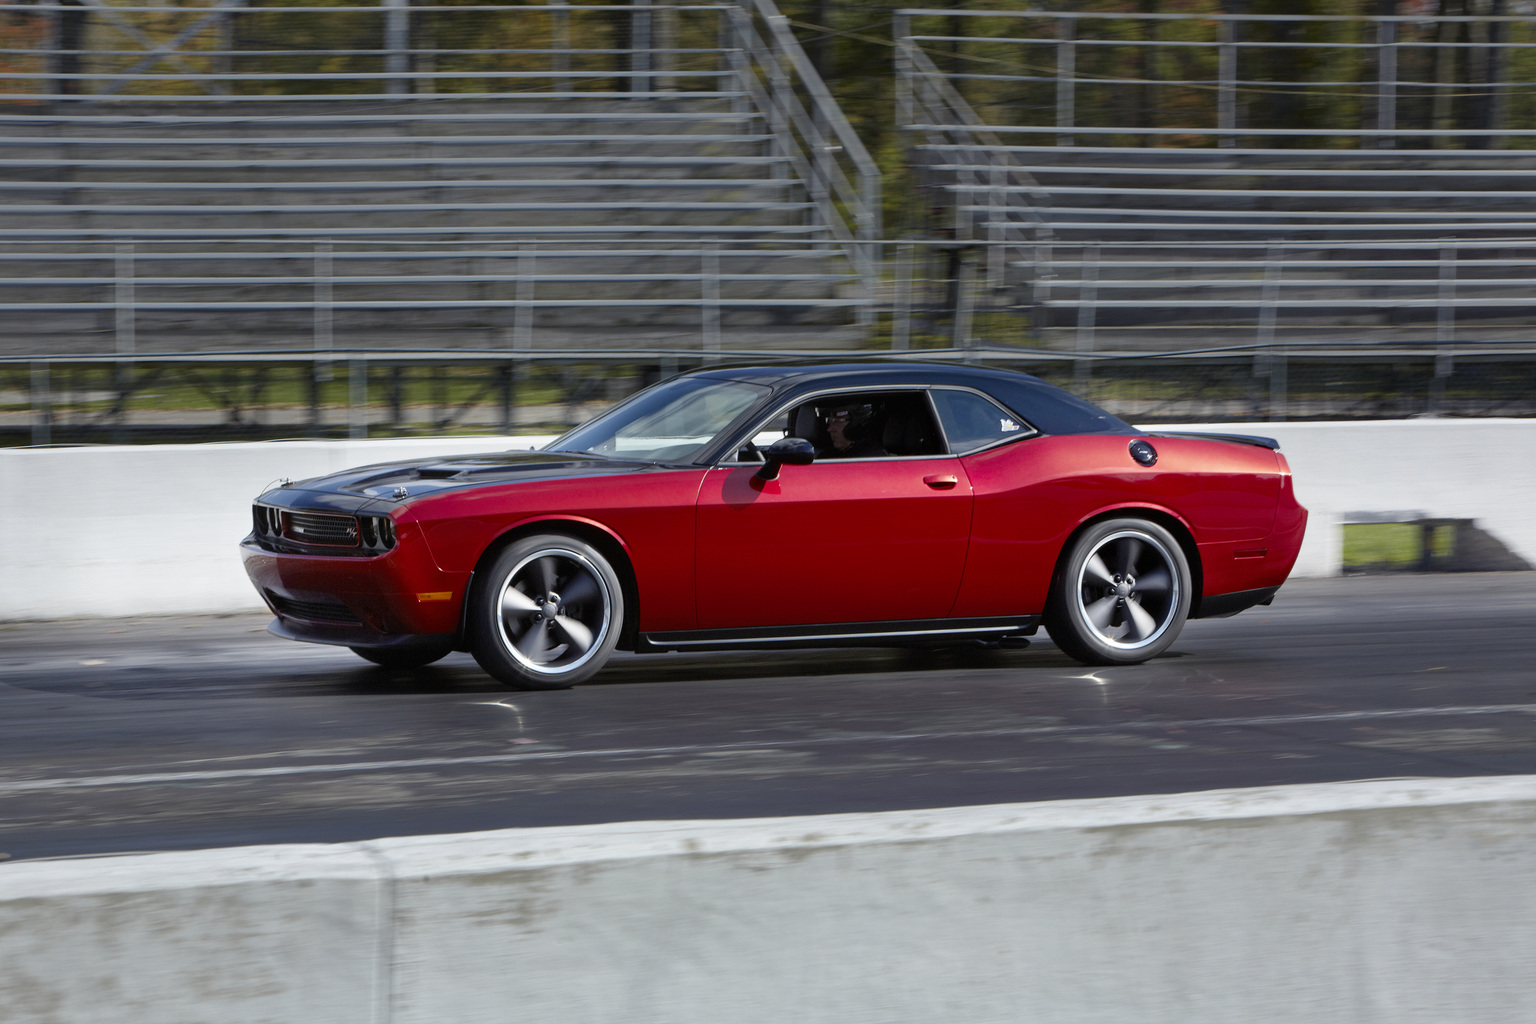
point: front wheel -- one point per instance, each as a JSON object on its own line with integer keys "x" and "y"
{"x": 548, "y": 614}
{"x": 1122, "y": 595}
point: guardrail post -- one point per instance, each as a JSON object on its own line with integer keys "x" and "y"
{"x": 640, "y": 47}
{"x": 1264, "y": 337}
{"x": 508, "y": 389}
{"x": 66, "y": 37}
{"x": 962, "y": 197}
{"x": 314, "y": 397}
{"x": 965, "y": 300}
{"x": 1087, "y": 296}
{"x": 122, "y": 304}
{"x": 709, "y": 260}
{"x": 1386, "y": 82}
{"x": 1066, "y": 78}
{"x": 42, "y": 404}
{"x": 1277, "y": 383}
{"x": 998, "y": 209}
{"x": 734, "y": 42}
{"x": 226, "y": 37}
{"x": 522, "y": 318}
{"x": 397, "y": 46}
{"x": 1043, "y": 270}
{"x": 1226, "y": 88}
{"x": 778, "y": 119}
{"x": 901, "y": 309}
{"x": 1445, "y": 327}
{"x": 396, "y": 395}
{"x": 664, "y": 33}
{"x": 438, "y": 390}
{"x": 560, "y": 45}
{"x": 1498, "y": 102}
{"x": 357, "y": 397}
{"x": 1273, "y": 268}
{"x": 1445, "y": 306}
{"x": 323, "y": 313}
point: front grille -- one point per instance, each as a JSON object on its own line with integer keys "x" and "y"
{"x": 320, "y": 528}
{"x": 313, "y": 611}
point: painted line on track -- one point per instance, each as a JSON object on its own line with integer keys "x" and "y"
{"x": 279, "y": 771}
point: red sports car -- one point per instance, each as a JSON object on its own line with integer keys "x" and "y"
{"x": 775, "y": 506}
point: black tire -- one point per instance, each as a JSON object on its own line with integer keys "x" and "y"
{"x": 546, "y": 614}
{"x": 406, "y": 657}
{"x": 1121, "y": 595}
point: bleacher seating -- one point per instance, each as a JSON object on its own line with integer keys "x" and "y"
{"x": 1141, "y": 245}
{"x": 628, "y": 196}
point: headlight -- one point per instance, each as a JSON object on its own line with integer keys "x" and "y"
{"x": 377, "y": 532}
{"x": 266, "y": 520}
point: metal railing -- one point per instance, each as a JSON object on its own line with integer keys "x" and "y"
{"x": 360, "y": 393}
{"x": 1233, "y": 291}
{"x": 812, "y": 131}
{"x": 980, "y": 197}
{"x": 1374, "y": 80}
{"x": 93, "y": 51}
{"x": 338, "y": 288}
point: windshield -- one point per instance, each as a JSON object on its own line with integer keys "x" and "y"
{"x": 670, "y": 422}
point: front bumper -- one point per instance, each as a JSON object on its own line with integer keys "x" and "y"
{"x": 381, "y": 601}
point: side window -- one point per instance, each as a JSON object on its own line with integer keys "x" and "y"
{"x": 971, "y": 421}
{"x": 766, "y": 434}
{"x": 862, "y": 425}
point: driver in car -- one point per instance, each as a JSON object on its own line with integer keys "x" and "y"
{"x": 851, "y": 427}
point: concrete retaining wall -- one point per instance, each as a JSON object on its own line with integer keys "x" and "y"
{"x": 152, "y": 530}
{"x": 1392, "y": 902}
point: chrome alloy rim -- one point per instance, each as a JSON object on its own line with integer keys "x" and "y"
{"x": 1127, "y": 590}
{"x": 553, "y": 611}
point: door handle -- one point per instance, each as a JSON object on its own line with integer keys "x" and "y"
{"x": 942, "y": 482}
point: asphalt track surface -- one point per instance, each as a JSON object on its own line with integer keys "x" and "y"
{"x": 177, "y": 733}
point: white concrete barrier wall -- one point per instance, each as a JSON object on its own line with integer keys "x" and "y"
{"x": 1393, "y": 902}
{"x": 152, "y": 530}
{"x": 1453, "y": 469}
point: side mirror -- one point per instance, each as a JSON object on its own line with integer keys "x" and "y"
{"x": 792, "y": 451}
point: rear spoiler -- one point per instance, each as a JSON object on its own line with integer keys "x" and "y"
{"x": 1253, "y": 439}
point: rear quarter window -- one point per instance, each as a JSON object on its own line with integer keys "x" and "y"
{"x": 1051, "y": 410}
{"x": 972, "y": 421}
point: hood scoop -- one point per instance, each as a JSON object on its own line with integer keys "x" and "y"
{"x": 418, "y": 478}
{"x": 464, "y": 470}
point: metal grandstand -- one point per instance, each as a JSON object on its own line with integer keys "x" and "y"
{"x": 320, "y": 219}
{"x": 1135, "y": 182}
{"x": 237, "y": 176}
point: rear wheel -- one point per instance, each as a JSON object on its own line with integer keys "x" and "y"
{"x": 404, "y": 657}
{"x": 548, "y": 613}
{"x": 1123, "y": 594}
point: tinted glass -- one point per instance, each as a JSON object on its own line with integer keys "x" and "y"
{"x": 972, "y": 422}
{"x": 1051, "y": 410}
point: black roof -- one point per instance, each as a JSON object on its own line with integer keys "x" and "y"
{"x": 861, "y": 374}
{"x": 1044, "y": 406}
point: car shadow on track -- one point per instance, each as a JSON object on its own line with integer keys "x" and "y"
{"x": 459, "y": 674}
